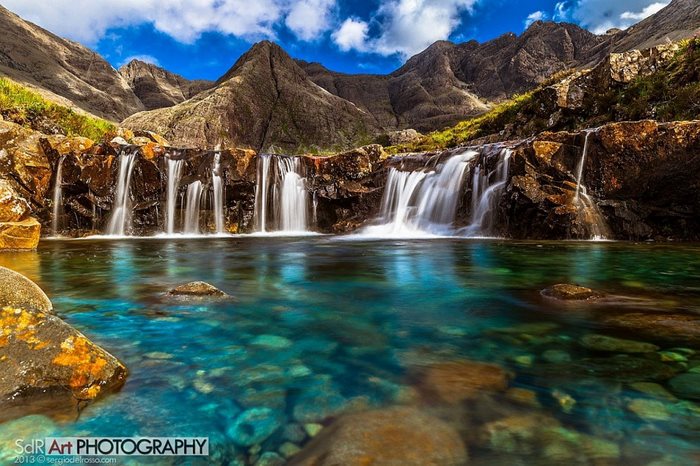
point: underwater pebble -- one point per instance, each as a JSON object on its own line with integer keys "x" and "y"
{"x": 294, "y": 433}
{"x": 313, "y": 429}
{"x": 313, "y": 407}
{"x": 598, "y": 342}
{"x": 289, "y": 449}
{"x": 565, "y": 401}
{"x": 270, "y": 459}
{"x": 649, "y": 410}
{"x": 555, "y": 356}
{"x": 202, "y": 386}
{"x": 158, "y": 355}
{"x": 298, "y": 370}
{"x": 523, "y": 396}
{"x": 254, "y": 426}
{"x": 272, "y": 341}
{"x": 652, "y": 389}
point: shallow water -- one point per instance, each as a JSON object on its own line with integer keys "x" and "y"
{"x": 320, "y": 325}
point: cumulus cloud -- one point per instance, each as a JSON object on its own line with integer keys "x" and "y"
{"x": 535, "y": 16}
{"x": 352, "y": 34}
{"x": 88, "y": 20}
{"x": 405, "y": 27}
{"x": 309, "y": 19}
{"x": 600, "y": 15}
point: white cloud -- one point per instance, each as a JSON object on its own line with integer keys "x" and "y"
{"x": 405, "y": 27}
{"x": 561, "y": 12}
{"x": 185, "y": 20}
{"x": 308, "y": 19}
{"x": 144, "y": 58}
{"x": 351, "y": 35}
{"x": 601, "y": 15}
{"x": 535, "y": 16}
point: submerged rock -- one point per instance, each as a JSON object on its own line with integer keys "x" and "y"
{"x": 665, "y": 326}
{"x": 17, "y": 290}
{"x": 617, "y": 345}
{"x": 254, "y": 426}
{"x": 396, "y": 436}
{"x": 568, "y": 292}
{"x": 686, "y": 385}
{"x": 453, "y": 382}
{"x": 196, "y": 289}
{"x": 43, "y": 358}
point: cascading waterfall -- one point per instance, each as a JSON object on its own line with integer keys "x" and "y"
{"x": 194, "y": 197}
{"x": 281, "y": 184}
{"x": 589, "y": 212}
{"x": 57, "y": 197}
{"x": 218, "y": 186}
{"x": 487, "y": 188}
{"x": 174, "y": 168}
{"x": 120, "y": 221}
{"x": 422, "y": 201}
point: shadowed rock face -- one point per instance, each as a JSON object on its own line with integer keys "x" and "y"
{"x": 157, "y": 87}
{"x": 264, "y": 101}
{"x": 69, "y": 72}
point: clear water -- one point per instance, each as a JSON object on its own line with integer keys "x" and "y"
{"x": 317, "y": 323}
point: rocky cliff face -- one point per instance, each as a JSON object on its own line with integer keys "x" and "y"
{"x": 157, "y": 87}
{"x": 264, "y": 101}
{"x": 65, "y": 71}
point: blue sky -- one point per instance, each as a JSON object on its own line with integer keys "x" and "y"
{"x": 203, "y": 38}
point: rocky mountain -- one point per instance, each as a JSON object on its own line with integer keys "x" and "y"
{"x": 264, "y": 101}
{"x": 63, "y": 70}
{"x": 157, "y": 87}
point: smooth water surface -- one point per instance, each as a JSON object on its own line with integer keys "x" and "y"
{"x": 318, "y": 326}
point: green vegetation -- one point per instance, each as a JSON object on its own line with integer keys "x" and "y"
{"x": 671, "y": 93}
{"x": 28, "y": 108}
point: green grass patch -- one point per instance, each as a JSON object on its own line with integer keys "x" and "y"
{"x": 28, "y": 108}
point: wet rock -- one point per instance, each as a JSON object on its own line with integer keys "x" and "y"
{"x": 19, "y": 291}
{"x": 622, "y": 369}
{"x": 515, "y": 434}
{"x": 686, "y": 385}
{"x": 394, "y": 436}
{"x": 254, "y": 426}
{"x": 453, "y": 382}
{"x": 649, "y": 410}
{"x": 616, "y": 345}
{"x": 196, "y": 289}
{"x": 568, "y": 292}
{"x": 43, "y": 358}
{"x": 662, "y": 326}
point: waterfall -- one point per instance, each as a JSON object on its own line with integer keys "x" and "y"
{"x": 282, "y": 186}
{"x": 120, "y": 221}
{"x": 582, "y": 162}
{"x": 174, "y": 168}
{"x": 194, "y": 197}
{"x": 422, "y": 201}
{"x": 487, "y": 188}
{"x": 218, "y": 186}
{"x": 589, "y": 213}
{"x": 57, "y": 197}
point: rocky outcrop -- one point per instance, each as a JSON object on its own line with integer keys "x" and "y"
{"x": 196, "y": 289}
{"x": 157, "y": 87}
{"x": 47, "y": 366}
{"x": 399, "y": 435}
{"x": 265, "y": 101}
{"x": 63, "y": 70}
{"x": 644, "y": 176}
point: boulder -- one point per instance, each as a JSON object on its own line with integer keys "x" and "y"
{"x": 20, "y": 235}
{"x": 48, "y": 365}
{"x": 13, "y": 206}
{"x": 18, "y": 291}
{"x": 400, "y": 436}
{"x": 453, "y": 382}
{"x": 196, "y": 289}
{"x": 567, "y": 292}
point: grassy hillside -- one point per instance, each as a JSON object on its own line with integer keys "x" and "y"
{"x": 28, "y": 108}
{"x": 672, "y": 93}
